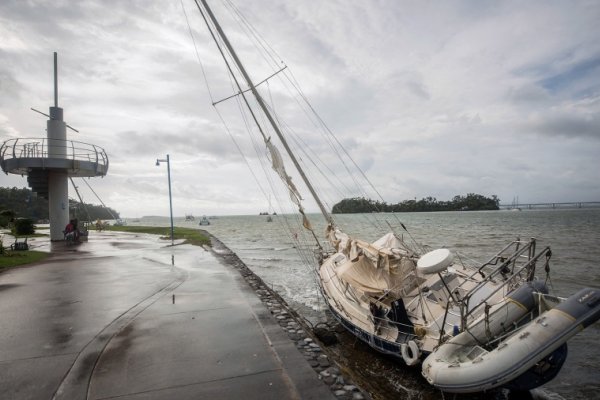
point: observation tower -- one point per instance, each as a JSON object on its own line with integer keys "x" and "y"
{"x": 49, "y": 163}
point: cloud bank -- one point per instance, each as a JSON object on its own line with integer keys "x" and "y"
{"x": 429, "y": 99}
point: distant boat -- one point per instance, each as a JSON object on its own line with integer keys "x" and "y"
{"x": 269, "y": 218}
{"x": 515, "y": 204}
{"x": 204, "y": 221}
{"x": 189, "y": 217}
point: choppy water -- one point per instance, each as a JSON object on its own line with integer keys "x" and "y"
{"x": 573, "y": 234}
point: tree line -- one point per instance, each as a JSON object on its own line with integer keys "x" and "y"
{"x": 470, "y": 202}
{"x": 23, "y": 203}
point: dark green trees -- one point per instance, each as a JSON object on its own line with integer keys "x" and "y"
{"x": 25, "y": 204}
{"x": 470, "y": 202}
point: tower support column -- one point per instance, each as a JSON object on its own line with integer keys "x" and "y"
{"x": 58, "y": 180}
{"x": 58, "y": 203}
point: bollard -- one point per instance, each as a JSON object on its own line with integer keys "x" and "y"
{"x": 172, "y": 259}
{"x": 173, "y": 298}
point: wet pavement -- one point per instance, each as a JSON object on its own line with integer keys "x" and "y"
{"x": 126, "y": 316}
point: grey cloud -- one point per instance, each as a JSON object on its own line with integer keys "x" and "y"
{"x": 528, "y": 93}
{"x": 194, "y": 143}
{"x": 10, "y": 88}
{"x": 567, "y": 125}
{"x": 418, "y": 89}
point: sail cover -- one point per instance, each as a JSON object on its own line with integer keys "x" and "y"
{"x": 361, "y": 275}
{"x": 376, "y": 268}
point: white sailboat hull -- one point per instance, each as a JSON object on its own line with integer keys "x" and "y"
{"x": 504, "y": 346}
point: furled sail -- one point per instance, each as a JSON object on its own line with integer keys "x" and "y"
{"x": 279, "y": 167}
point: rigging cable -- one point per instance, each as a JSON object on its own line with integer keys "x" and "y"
{"x": 251, "y": 32}
{"x": 278, "y": 163}
{"x": 100, "y": 200}
{"x": 227, "y": 127}
{"x": 274, "y": 63}
{"x": 304, "y": 254}
{"x": 231, "y": 71}
{"x": 230, "y": 134}
{"x": 80, "y": 198}
{"x": 269, "y": 51}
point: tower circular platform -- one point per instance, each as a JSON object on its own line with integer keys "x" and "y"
{"x": 77, "y": 159}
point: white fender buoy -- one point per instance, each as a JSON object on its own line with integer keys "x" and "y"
{"x": 410, "y": 352}
{"x": 435, "y": 261}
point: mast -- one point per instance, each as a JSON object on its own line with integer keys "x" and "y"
{"x": 263, "y": 106}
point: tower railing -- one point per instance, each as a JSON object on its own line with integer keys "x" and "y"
{"x": 52, "y": 148}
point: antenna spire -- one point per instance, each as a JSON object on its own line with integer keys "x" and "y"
{"x": 55, "y": 80}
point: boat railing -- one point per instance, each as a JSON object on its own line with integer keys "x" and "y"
{"x": 52, "y": 148}
{"x": 511, "y": 276}
{"x": 503, "y": 263}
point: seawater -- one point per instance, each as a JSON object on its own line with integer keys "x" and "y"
{"x": 573, "y": 234}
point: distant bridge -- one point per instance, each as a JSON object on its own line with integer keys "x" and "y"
{"x": 572, "y": 204}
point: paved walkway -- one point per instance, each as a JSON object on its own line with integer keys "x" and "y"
{"x": 113, "y": 318}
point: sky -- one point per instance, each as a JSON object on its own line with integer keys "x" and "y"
{"x": 429, "y": 98}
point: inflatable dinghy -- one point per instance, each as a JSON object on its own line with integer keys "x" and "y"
{"x": 463, "y": 365}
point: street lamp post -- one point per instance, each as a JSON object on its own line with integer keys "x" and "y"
{"x": 158, "y": 161}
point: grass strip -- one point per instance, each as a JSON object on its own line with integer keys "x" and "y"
{"x": 190, "y": 236}
{"x": 15, "y": 258}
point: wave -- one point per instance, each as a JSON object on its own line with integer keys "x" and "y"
{"x": 270, "y": 259}
{"x": 266, "y": 248}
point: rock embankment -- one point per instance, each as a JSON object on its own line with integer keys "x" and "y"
{"x": 295, "y": 326}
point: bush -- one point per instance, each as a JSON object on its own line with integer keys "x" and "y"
{"x": 6, "y": 217}
{"x": 23, "y": 227}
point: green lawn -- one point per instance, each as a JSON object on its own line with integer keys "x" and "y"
{"x": 15, "y": 258}
{"x": 191, "y": 236}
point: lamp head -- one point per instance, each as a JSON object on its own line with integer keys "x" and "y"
{"x": 157, "y": 163}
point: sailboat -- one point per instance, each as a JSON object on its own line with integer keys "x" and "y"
{"x": 269, "y": 218}
{"x": 515, "y": 205}
{"x": 190, "y": 217}
{"x": 471, "y": 327}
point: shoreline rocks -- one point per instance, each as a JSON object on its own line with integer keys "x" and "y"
{"x": 296, "y": 328}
